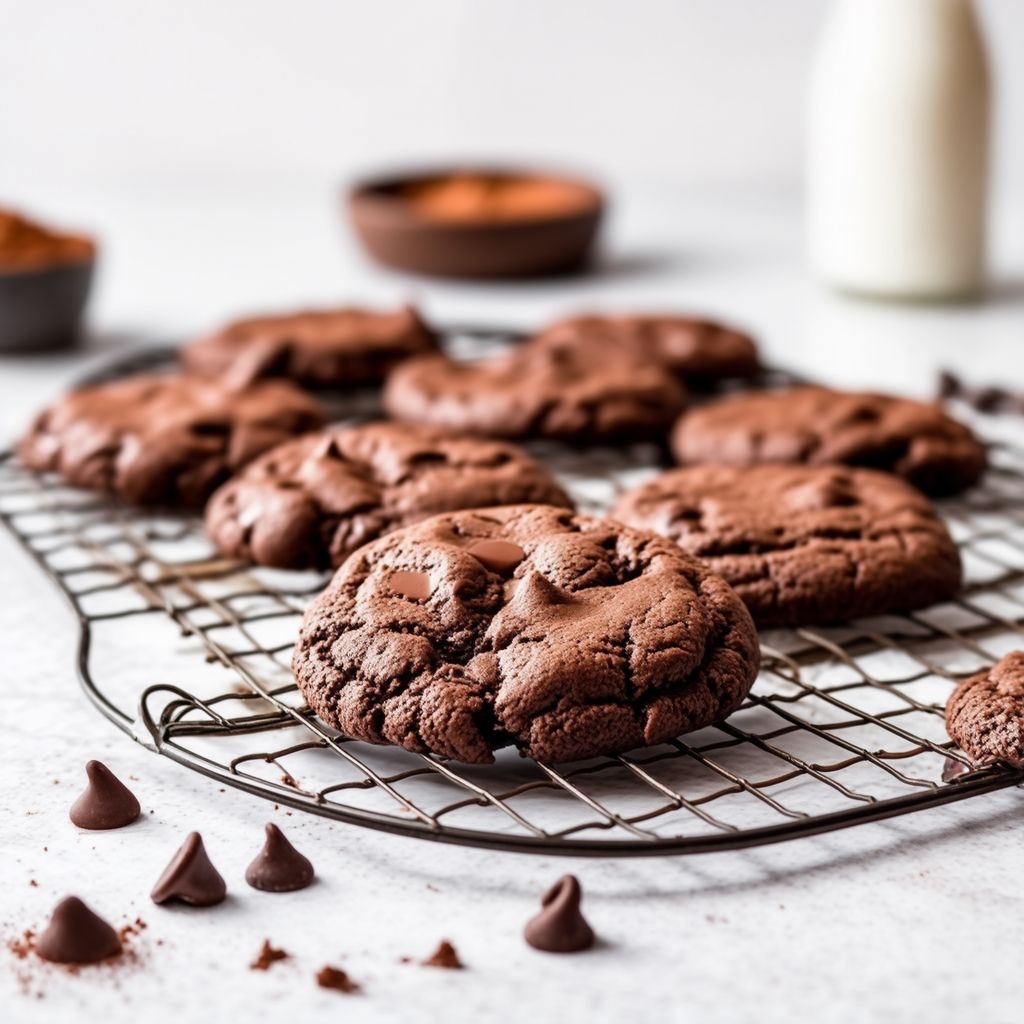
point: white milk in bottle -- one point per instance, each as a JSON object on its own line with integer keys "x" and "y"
{"x": 898, "y": 149}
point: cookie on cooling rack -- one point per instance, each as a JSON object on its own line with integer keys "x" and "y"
{"x": 569, "y": 636}
{"x": 164, "y": 439}
{"x": 817, "y": 426}
{"x": 539, "y": 390}
{"x": 985, "y": 714}
{"x": 804, "y": 544}
{"x": 337, "y": 348}
{"x": 309, "y": 503}
{"x": 701, "y": 352}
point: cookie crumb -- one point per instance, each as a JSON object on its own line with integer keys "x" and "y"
{"x": 336, "y": 979}
{"x": 444, "y": 956}
{"x": 267, "y": 955}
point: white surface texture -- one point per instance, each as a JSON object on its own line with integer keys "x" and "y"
{"x": 915, "y": 919}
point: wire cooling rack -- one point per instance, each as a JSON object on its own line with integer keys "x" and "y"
{"x": 190, "y": 654}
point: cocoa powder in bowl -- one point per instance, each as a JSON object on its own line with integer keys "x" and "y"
{"x": 486, "y": 223}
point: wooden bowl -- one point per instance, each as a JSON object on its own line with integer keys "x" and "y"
{"x": 41, "y": 307}
{"x": 426, "y": 222}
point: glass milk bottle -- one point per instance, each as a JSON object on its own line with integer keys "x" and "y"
{"x": 898, "y": 126}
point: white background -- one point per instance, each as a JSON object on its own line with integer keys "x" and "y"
{"x": 205, "y": 143}
{"x": 683, "y": 91}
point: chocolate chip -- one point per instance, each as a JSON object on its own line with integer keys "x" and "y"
{"x": 335, "y": 978}
{"x": 500, "y": 556}
{"x": 75, "y": 935}
{"x": 560, "y": 927}
{"x": 190, "y": 877}
{"x": 949, "y": 384}
{"x": 415, "y": 585}
{"x": 279, "y": 867}
{"x": 444, "y": 956}
{"x": 106, "y": 801}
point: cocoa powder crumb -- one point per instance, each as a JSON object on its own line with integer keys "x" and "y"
{"x": 267, "y": 955}
{"x": 444, "y": 956}
{"x": 336, "y": 979}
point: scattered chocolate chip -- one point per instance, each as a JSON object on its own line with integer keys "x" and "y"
{"x": 500, "y": 556}
{"x": 415, "y": 585}
{"x": 190, "y": 877}
{"x": 949, "y": 385}
{"x": 953, "y": 769}
{"x": 267, "y": 955}
{"x": 444, "y": 956}
{"x": 279, "y": 867}
{"x": 560, "y": 927}
{"x": 336, "y": 979}
{"x": 989, "y": 399}
{"x": 75, "y": 935}
{"x": 106, "y": 801}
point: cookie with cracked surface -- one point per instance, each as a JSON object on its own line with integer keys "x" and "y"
{"x": 335, "y": 348}
{"x": 701, "y": 352}
{"x": 164, "y": 440}
{"x": 804, "y": 544}
{"x": 309, "y": 503}
{"x": 985, "y": 714}
{"x": 550, "y": 390}
{"x": 569, "y": 636}
{"x": 818, "y": 426}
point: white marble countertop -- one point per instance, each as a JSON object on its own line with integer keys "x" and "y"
{"x": 912, "y": 919}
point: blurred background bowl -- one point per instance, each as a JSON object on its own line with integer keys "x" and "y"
{"x": 41, "y": 308}
{"x": 402, "y": 229}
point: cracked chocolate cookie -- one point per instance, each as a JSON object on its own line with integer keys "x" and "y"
{"x": 817, "y": 426}
{"x": 804, "y": 544}
{"x": 566, "y": 635}
{"x": 164, "y": 440}
{"x": 337, "y": 348}
{"x": 309, "y": 503}
{"x": 549, "y": 390}
{"x": 985, "y": 714}
{"x": 701, "y": 352}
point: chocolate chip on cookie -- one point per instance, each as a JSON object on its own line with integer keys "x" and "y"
{"x": 985, "y": 714}
{"x": 164, "y": 440}
{"x": 817, "y": 426}
{"x": 701, "y": 352}
{"x": 804, "y": 544}
{"x": 337, "y": 348}
{"x": 603, "y": 638}
{"x": 539, "y": 390}
{"x": 311, "y": 502}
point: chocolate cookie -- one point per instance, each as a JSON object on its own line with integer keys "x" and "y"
{"x": 337, "y": 348}
{"x": 567, "y": 635}
{"x": 312, "y": 501}
{"x": 985, "y": 714}
{"x": 539, "y": 390}
{"x": 701, "y": 352}
{"x": 817, "y": 426}
{"x": 164, "y": 440}
{"x": 804, "y": 544}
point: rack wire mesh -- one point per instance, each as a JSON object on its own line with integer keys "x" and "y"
{"x": 190, "y": 654}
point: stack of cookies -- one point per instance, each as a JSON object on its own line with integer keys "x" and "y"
{"x": 471, "y": 607}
